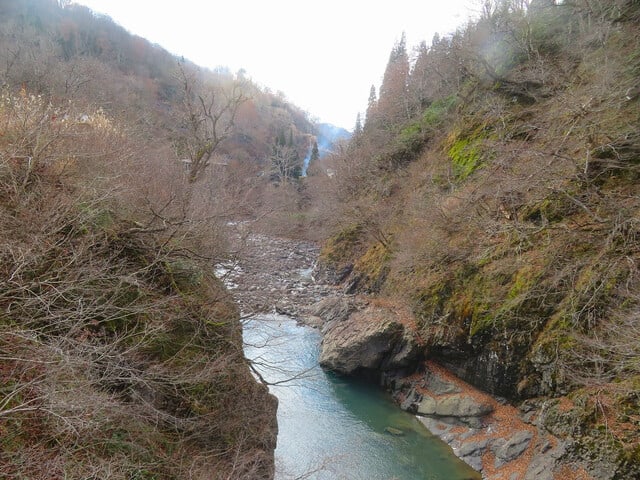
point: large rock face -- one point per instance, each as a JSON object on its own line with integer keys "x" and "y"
{"x": 368, "y": 342}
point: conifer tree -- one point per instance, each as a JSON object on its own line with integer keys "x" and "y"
{"x": 418, "y": 84}
{"x": 393, "y": 104}
{"x": 372, "y": 108}
{"x": 358, "y": 128}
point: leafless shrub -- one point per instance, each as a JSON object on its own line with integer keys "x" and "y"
{"x": 119, "y": 352}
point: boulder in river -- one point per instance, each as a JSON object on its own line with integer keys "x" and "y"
{"x": 369, "y": 341}
{"x": 326, "y": 312}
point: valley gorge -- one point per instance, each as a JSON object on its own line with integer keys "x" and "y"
{"x": 200, "y": 279}
{"x": 376, "y": 340}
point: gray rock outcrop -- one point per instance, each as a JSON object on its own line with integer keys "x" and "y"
{"x": 326, "y": 312}
{"x": 546, "y": 461}
{"x": 472, "y": 452}
{"x": 372, "y": 340}
{"x": 512, "y": 448}
{"x": 456, "y": 405}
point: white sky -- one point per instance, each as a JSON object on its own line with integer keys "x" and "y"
{"x": 324, "y": 55}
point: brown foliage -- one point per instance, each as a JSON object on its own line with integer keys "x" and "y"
{"x": 121, "y": 356}
{"x": 500, "y": 210}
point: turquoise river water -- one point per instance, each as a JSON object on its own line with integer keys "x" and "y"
{"x": 334, "y": 429}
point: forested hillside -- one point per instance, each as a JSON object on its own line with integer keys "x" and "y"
{"x": 121, "y": 168}
{"x": 493, "y": 188}
{"x": 72, "y": 54}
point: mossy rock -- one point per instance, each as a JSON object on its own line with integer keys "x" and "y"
{"x": 428, "y": 302}
{"x": 186, "y": 276}
{"x": 342, "y": 246}
{"x": 466, "y": 150}
{"x": 554, "y": 208}
{"x": 372, "y": 267}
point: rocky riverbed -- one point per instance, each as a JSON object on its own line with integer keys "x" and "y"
{"x": 376, "y": 339}
{"x": 273, "y": 274}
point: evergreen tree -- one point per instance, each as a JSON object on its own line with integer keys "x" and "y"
{"x": 315, "y": 153}
{"x": 372, "y": 108}
{"x": 358, "y": 128}
{"x": 418, "y": 84}
{"x": 393, "y": 103}
{"x": 373, "y": 100}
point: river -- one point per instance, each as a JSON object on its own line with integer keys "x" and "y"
{"x": 334, "y": 429}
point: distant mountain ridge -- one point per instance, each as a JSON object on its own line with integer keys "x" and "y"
{"x": 328, "y": 136}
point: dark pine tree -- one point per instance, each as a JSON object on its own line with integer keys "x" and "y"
{"x": 315, "y": 153}
{"x": 358, "y": 128}
{"x": 372, "y": 110}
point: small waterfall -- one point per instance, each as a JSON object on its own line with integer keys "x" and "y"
{"x": 305, "y": 164}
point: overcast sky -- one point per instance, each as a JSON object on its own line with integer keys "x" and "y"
{"x": 324, "y": 55}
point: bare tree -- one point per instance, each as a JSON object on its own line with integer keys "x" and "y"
{"x": 209, "y": 115}
{"x": 285, "y": 163}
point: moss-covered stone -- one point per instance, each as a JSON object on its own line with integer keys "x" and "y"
{"x": 186, "y": 276}
{"x": 343, "y": 245}
{"x": 465, "y": 149}
{"x": 554, "y": 208}
{"x": 372, "y": 267}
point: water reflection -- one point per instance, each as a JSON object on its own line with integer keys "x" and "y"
{"x": 331, "y": 429}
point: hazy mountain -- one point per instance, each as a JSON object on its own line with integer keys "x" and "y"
{"x": 328, "y": 136}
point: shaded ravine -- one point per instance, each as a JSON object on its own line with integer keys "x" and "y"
{"x": 330, "y": 428}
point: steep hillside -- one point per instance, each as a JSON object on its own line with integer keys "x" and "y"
{"x": 120, "y": 352}
{"x": 494, "y": 189}
{"x": 329, "y": 136}
{"x": 74, "y": 53}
